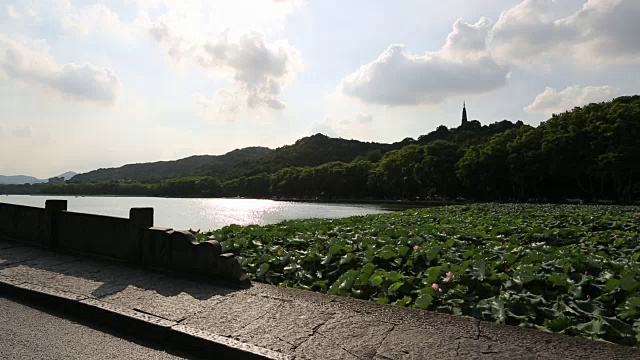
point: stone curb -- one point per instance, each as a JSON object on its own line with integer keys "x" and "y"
{"x": 141, "y": 325}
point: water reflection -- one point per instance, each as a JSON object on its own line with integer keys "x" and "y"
{"x": 203, "y": 214}
{"x": 238, "y": 211}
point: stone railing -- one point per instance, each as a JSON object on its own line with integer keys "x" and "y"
{"x": 133, "y": 240}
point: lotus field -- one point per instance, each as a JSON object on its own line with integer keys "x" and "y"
{"x": 560, "y": 268}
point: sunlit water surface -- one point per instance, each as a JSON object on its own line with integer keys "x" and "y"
{"x": 203, "y": 214}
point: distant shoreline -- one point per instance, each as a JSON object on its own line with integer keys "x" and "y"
{"x": 389, "y": 203}
{"x": 384, "y": 203}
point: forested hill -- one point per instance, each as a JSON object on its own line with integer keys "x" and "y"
{"x": 308, "y": 151}
{"x": 590, "y": 152}
{"x": 193, "y": 165}
{"x": 317, "y": 150}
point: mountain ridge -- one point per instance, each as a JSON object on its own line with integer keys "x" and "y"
{"x": 19, "y": 180}
{"x": 308, "y": 151}
{"x": 311, "y": 150}
{"x": 189, "y": 166}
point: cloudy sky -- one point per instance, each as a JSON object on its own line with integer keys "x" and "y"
{"x": 85, "y": 85}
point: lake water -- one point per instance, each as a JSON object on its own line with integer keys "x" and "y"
{"x": 203, "y": 214}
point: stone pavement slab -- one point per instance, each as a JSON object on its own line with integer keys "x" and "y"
{"x": 358, "y": 335}
{"x": 169, "y": 298}
{"x": 229, "y": 317}
{"x": 406, "y": 342}
{"x": 323, "y": 348}
{"x": 286, "y": 326}
{"x": 18, "y": 254}
{"x": 294, "y": 323}
{"x": 90, "y": 278}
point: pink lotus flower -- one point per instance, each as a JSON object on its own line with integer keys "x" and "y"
{"x": 448, "y": 277}
{"x": 435, "y": 286}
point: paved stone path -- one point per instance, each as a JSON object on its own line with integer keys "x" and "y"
{"x": 59, "y": 338}
{"x": 301, "y": 324}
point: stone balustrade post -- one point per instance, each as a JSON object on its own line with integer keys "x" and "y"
{"x": 139, "y": 219}
{"x": 51, "y": 209}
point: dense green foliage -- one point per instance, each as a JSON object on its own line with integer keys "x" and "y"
{"x": 590, "y": 153}
{"x": 313, "y": 151}
{"x": 201, "y": 186}
{"x": 333, "y": 179}
{"x": 567, "y": 269}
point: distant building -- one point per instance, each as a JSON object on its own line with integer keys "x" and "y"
{"x": 56, "y": 180}
{"x": 464, "y": 113}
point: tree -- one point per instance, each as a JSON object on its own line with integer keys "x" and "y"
{"x": 437, "y": 171}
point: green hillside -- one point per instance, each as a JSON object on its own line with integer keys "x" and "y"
{"x": 313, "y": 151}
{"x": 309, "y": 151}
{"x": 193, "y": 165}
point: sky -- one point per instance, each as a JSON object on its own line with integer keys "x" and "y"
{"x": 87, "y": 85}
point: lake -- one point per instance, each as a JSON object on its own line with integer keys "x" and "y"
{"x": 203, "y": 214}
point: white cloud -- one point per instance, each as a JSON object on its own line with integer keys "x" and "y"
{"x": 47, "y": 14}
{"x": 358, "y": 119}
{"x": 11, "y": 11}
{"x": 194, "y": 20}
{"x": 227, "y": 39}
{"x": 364, "y": 118}
{"x": 259, "y": 69}
{"x": 356, "y": 126}
{"x": 603, "y": 31}
{"x": 553, "y": 102}
{"x": 527, "y": 31}
{"x": 398, "y": 77}
{"x": 223, "y": 107}
{"x": 476, "y": 57}
{"x": 29, "y": 62}
{"x": 323, "y": 127}
{"x": 99, "y": 19}
{"x": 462, "y": 66}
{"x": 609, "y": 30}
{"x": 467, "y": 40}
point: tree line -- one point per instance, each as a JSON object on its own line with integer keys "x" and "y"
{"x": 590, "y": 152}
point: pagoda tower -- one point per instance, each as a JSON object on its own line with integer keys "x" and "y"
{"x": 464, "y": 113}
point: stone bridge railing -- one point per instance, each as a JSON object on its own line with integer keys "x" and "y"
{"x": 133, "y": 240}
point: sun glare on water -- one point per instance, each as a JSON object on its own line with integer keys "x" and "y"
{"x": 238, "y": 211}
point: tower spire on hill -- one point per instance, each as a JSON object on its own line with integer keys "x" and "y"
{"x": 464, "y": 113}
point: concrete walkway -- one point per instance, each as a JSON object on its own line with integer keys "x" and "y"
{"x": 60, "y": 338}
{"x": 275, "y": 322}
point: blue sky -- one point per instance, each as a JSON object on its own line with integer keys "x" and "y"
{"x": 87, "y": 84}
